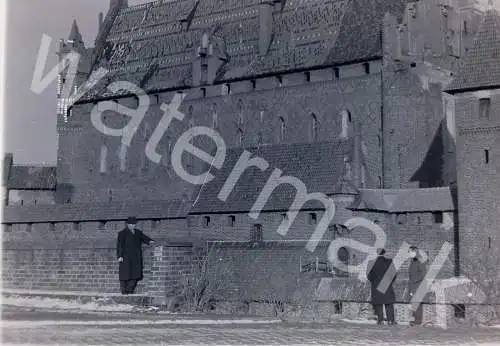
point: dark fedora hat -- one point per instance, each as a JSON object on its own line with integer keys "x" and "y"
{"x": 131, "y": 220}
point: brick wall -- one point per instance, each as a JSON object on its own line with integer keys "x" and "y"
{"x": 61, "y": 257}
{"x": 30, "y": 197}
{"x": 256, "y": 112}
{"x": 478, "y": 187}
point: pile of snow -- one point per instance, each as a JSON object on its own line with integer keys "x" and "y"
{"x": 61, "y": 304}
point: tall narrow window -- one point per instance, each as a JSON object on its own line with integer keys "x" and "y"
{"x": 123, "y": 157}
{"x": 438, "y": 217}
{"x": 313, "y": 218}
{"x": 282, "y": 129}
{"x": 466, "y": 29}
{"x": 307, "y": 76}
{"x": 366, "y": 67}
{"x": 231, "y": 220}
{"x": 203, "y": 92}
{"x": 280, "y": 80}
{"x": 240, "y": 137}
{"x": 206, "y": 221}
{"x": 226, "y": 89}
{"x": 104, "y": 158}
{"x": 314, "y": 127}
{"x": 489, "y": 242}
{"x": 346, "y": 120}
{"x": 336, "y": 72}
{"x": 486, "y": 156}
{"x": 484, "y": 108}
{"x": 215, "y": 116}
{"x": 254, "y": 84}
{"x": 240, "y": 112}
{"x": 256, "y": 233}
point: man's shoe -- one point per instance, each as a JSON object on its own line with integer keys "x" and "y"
{"x": 414, "y": 324}
{"x": 392, "y": 323}
{"x": 380, "y": 323}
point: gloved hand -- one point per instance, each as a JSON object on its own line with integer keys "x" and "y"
{"x": 120, "y": 259}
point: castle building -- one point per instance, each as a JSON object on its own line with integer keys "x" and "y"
{"x": 347, "y": 96}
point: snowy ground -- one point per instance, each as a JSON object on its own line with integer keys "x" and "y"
{"x": 21, "y": 326}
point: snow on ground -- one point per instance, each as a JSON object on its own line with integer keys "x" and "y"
{"x": 61, "y": 304}
{"x": 35, "y": 324}
{"x": 62, "y": 293}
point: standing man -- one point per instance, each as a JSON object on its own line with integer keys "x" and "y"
{"x": 377, "y": 270}
{"x": 129, "y": 254}
{"x": 417, "y": 271}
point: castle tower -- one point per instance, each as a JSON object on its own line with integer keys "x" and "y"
{"x": 74, "y": 43}
{"x": 475, "y": 93}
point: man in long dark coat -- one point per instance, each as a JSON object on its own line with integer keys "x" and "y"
{"x": 417, "y": 271}
{"x": 129, "y": 254}
{"x": 377, "y": 270}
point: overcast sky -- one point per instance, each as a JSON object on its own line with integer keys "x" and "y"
{"x": 30, "y": 119}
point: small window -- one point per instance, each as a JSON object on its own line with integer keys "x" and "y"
{"x": 284, "y": 216}
{"x": 226, "y": 89}
{"x": 401, "y": 218}
{"x": 52, "y": 226}
{"x": 35, "y": 202}
{"x": 336, "y": 72}
{"x": 154, "y": 224}
{"x": 489, "y": 242}
{"x": 307, "y": 76}
{"x": 240, "y": 137}
{"x": 21, "y": 202}
{"x": 256, "y": 233}
{"x": 104, "y": 157}
{"x": 343, "y": 255}
{"x": 314, "y": 127}
{"x": 337, "y": 307}
{"x": 29, "y": 227}
{"x": 102, "y": 225}
{"x": 253, "y": 82}
{"x": 366, "y": 67}
{"x": 466, "y": 29}
{"x": 69, "y": 113}
{"x": 76, "y": 226}
{"x": 486, "y": 156}
{"x": 203, "y": 92}
{"x": 280, "y": 80}
{"x": 379, "y": 182}
{"x": 313, "y": 218}
{"x": 206, "y": 221}
{"x": 282, "y": 129}
{"x": 231, "y": 220}
{"x": 459, "y": 310}
{"x": 419, "y": 220}
{"x": 156, "y": 99}
{"x": 438, "y": 217}
{"x": 484, "y": 108}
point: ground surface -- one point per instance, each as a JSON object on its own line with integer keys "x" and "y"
{"x": 23, "y": 326}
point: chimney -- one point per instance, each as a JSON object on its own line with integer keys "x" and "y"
{"x": 266, "y": 25}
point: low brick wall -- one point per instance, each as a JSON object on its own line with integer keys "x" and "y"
{"x": 75, "y": 267}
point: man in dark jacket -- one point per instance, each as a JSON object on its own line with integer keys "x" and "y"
{"x": 129, "y": 254}
{"x": 417, "y": 271}
{"x": 377, "y": 270}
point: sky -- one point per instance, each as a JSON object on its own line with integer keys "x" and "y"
{"x": 29, "y": 118}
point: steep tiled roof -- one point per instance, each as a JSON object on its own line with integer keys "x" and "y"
{"x": 481, "y": 66}
{"x": 95, "y": 211}
{"x": 404, "y": 200}
{"x": 32, "y": 178}
{"x": 149, "y": 43}
{"x": 318, "y": 165}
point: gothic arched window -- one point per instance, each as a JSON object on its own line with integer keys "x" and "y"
{"x": 282, "y": 129}
{"x": 314, "y": 127}
{"x": 215, "y": 116}
{"x": 240, "y": 137}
